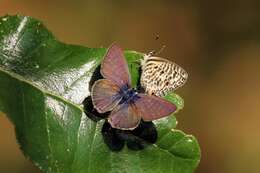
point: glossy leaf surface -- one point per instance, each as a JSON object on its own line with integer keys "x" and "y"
{"x": 43, "y": 83}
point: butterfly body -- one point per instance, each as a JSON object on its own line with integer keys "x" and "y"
{"x": 115, "y": 94}
{"x": 129, "y": 95}
{"x": 160, "y": 76}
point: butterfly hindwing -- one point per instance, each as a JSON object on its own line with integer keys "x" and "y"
{"x": 114, "y": 66}
{"x": 152, "y": 107}
{"x": 125, "y": 117}
{"x": 105, "y": 95}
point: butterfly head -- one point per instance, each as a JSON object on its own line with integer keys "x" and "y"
{"x": 145, "y": 59}
{"x": 150, "y": 55}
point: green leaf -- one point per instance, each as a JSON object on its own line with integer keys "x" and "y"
{"x": 175, "y": 99}
{"x": 42, "y": 85}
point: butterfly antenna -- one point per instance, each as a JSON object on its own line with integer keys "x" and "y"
{"x": 160, "y": 51}
{"x": 154, "y": 52}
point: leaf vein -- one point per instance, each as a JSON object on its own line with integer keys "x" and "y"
{"x": 48, "y": 136}
{"x": 172, "y": 154}
{"x": 57, "y": 61}
{"x": 91, "y": 147}
{"x": 17, "y": 77}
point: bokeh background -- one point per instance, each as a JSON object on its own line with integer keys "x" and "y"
{"x": 217, "y": 42}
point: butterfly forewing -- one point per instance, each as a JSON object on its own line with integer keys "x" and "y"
{"x": 152, "y": 107}
{"x": 105, "y": 95}
{"x": 114, "y": 66}
{"x": 125, "y": 117}
{"x": 160, "y": 76}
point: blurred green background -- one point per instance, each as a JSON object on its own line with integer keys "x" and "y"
{"x": 217, "y": 42}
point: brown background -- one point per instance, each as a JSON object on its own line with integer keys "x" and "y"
{"x": 217, "y": 42}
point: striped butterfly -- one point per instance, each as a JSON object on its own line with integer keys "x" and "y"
{"x": 160, "y": 76}
{"x": 115, "y": 94}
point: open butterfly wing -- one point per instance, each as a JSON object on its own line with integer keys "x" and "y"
{"x": 105, "y": 95}
{"x": 125, "y": 117}
{"x": 152, "y": 107}
{"x": 114, "y": 66}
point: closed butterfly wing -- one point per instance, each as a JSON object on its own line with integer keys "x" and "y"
{"x": 125, "y": 117}
{"x": 105, "y": 95}
{"x": 114, "y": 66}
{"x": 152, "y": 107}
{"x": 160, "y": 76}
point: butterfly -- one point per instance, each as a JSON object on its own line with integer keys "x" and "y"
{"x": 160, "y": 76}
{"x": 114, "y": 93}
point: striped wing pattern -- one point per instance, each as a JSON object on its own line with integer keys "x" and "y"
{"x": 160, "y": 76}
